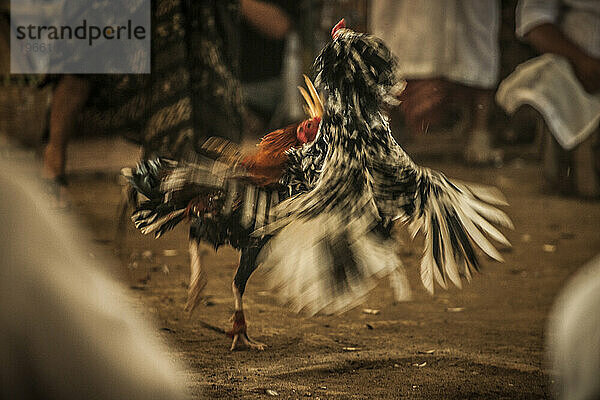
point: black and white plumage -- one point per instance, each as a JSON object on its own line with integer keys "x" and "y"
{"x": 330, "y": 236}
{"x": 223, "y": 205}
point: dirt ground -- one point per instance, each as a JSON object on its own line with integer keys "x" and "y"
{"x": 484, "y": 341}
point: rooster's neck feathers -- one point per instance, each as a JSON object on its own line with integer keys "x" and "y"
{"x": 357, "y": 71}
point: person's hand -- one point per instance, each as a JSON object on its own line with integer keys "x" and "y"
{"x": 268, "y": 18}
{"x": 548, "y": 38}
{"x": 422, "y": 103}
{"x": 587, "y": 70}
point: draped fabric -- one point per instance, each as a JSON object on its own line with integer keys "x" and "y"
{"x": 193, "y": 91}
{"x": 548, "y": 82}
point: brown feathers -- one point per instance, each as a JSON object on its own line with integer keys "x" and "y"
{"x": 267, "y": 164}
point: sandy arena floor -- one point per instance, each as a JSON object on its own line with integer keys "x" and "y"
{"x": 485, "y": 341}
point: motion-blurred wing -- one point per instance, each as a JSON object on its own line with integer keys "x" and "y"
{"x": 454, "y": 217}
{"x": 326, "y": 254}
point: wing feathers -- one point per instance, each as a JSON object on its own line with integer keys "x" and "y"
{"x": 330, "y": 269}
{"x": 453, "y": 217}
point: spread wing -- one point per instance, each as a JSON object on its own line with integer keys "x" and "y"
{"x": 454, "y": 217}
{"x": 327, "y": 252}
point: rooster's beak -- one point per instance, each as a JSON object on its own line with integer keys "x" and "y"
{"x": 337, "y": 27}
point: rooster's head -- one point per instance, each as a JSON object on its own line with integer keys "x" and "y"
{"x": 357, "y": 66}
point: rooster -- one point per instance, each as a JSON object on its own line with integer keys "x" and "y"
{"x": 220, "y": 214}
{"x": 358, "y": 184}
{"x": 318, "y": 218}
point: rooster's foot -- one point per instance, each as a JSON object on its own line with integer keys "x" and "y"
{"x": 240, "y": 340}
{"x": 239, "y": 335}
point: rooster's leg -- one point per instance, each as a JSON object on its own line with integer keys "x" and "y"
{"x": 245, "y": 269}
{"x": 198, "y": 251}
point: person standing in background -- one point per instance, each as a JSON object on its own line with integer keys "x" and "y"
{"x": 563, "y": 87}
{"x": 192, "y": 93}
{"x": 446, "y": 50}
{"x": 266, "y": 25}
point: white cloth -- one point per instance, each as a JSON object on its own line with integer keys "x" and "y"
{"x": 574, "y": 335}
{"x": 579, "y": 20}
{"x": 454, "y": 39}
{"x": 549, "y": 84}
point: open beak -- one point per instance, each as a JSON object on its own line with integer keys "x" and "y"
{"x": 340, "y": 25}
{"x": 314, "y": 104}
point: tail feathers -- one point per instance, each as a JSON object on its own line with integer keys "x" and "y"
{"x": 150, "y": 217}
{"x": 161, "y": 211}
{"x": 147, "y": 176}
{"x": 455, "y": 217}
{"x": 169, "y": 187}
{"x": 331, "y": 269}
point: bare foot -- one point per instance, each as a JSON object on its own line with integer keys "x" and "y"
{"x": 54, "y": 161}
{"x": 479, "y": 150}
